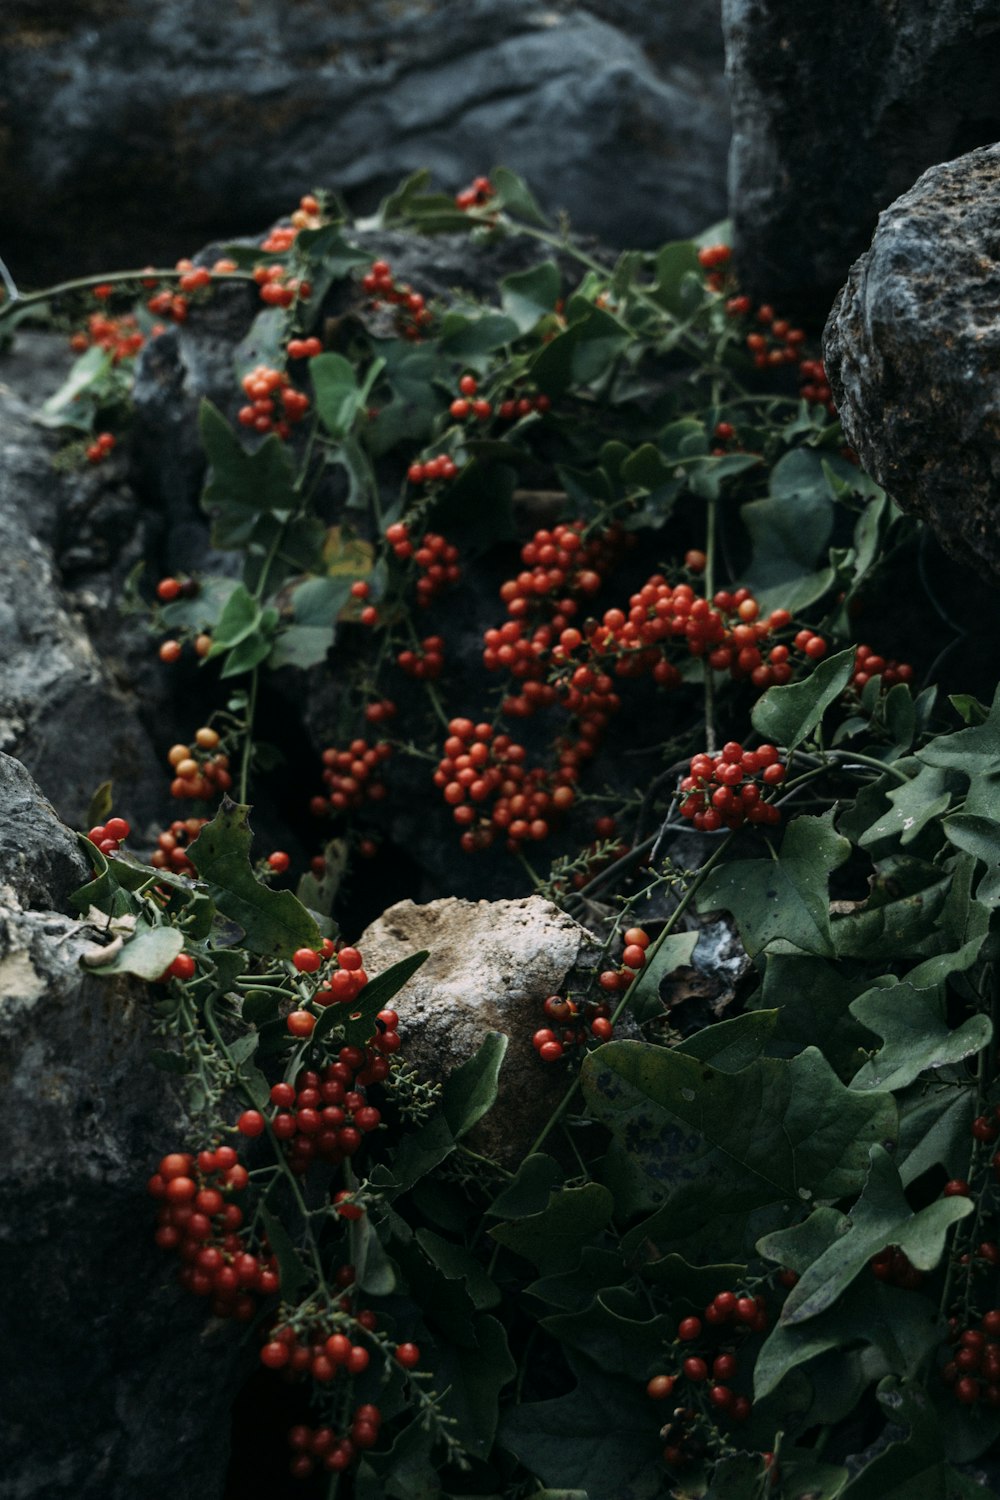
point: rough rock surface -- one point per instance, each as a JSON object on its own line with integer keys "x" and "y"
{"x": 491, "y": 965}
{"x": 86, "y": 1305}
{"x": 158, "y": 123}
{"x": 836, "y": 110}
{"x": 913, "y": 351}
{"x": 68, "y": 703}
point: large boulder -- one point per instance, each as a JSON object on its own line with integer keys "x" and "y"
{"x": 836, "y": 110}
{"x": 158, "y": 125}
{"x": 913, "y": 353}
{"x": 86, "y": 1305}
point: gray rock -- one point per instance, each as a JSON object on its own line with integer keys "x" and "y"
{"x": 913, "y": 351}
{"x": 163, "y": 124}
{"x": 68, "y": 706}
{"x": 39, "y": 858}
{"x": 836, "y": 110}
{"x": 491, "y": 966}
{"x": 113, "y": 1384}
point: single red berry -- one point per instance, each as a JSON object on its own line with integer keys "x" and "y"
{"x": 279, "y": 861}
{"x": 408, "y": 1355}
{"x": 307, "y": 960}
{"x": 251, "y": 1122}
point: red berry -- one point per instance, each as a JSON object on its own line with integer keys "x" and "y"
{"x": 307, "y": 960}
{"x": 251, "y": 1122}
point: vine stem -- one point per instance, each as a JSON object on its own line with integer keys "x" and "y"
{"x": 248, "y": 731}
{"x": 85, "y": 283}
{"x": 651, "y": 952}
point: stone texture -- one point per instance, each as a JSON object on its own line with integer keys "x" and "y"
{"x": 491, "y": 965}
{"x": 160, "y": 123}
{"x": 913, "y": 351}
{"x": 113, "y": 1385}
{"x": 836, "y": 111}
{"x": 68, "y": 669}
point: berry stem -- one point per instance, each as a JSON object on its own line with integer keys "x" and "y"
{"x": 84, "y": 283}
{"x": 651, "y": 951}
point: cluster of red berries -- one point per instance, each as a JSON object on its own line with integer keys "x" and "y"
{"x": 467, "y": 404}
{"x": 728, "y": 633}
{"x": 476, "y": 195}
{"x": 202, "y": 777}
{"x": 427, "y": 470}
{"x": 122, "y": 338}
{"x": 744, "y": 1315}
{"x": 522, "y": 406}
{"x": 100, "y": 449}
{"x": 479, "y": 767}
{"x": 973, "y": 1371}
{"x": 436, "y": 558}
{"x": 352, "y": 776}
{"x": 304, "y": 348}
{"x": 615, "y": 981}
{"x": 326, "y": 1115}
{"x": 199, "y": 1220}
{"x": 868, "y": 664}
{"x": 412, "y": 314}
{"x": 172, "y": 846}
{"x": 267, "y": 389}
{"x": 314, "y": 1447}
{"x": 276, "y": 287}
{"x": 727, "y": 790}
{"x": 425, "y": 663}
{"x": 578, "y": 1023}
{"x": 109, "y": 836}
{"x": 283, "y": 236}
{"x": 893, "y": 1266}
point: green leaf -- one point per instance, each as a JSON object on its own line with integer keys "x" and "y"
{"x": 242, "y": 487}
{"x": 673, "y": 953}
{"x": 599, "y": 1438}
{"x": 730, "y": 1045}
{"x": 788, "y": 715}
{"x": 903, "y": 1327}
{"x": 914, "y": 1468}
{"x": 470, "y": 1091}
{"x": 582, "y": 354}
{"x": 259, "y": 1006}
{"x": 372, "y": 1267}
{"x": 880, "y": 1217}
{"x": 528, "y": 296}
{"x": 785, "y": 898}
{"x": 301, "y": 646}
{"x": 913, "y": 805}
{"x": 338, "y": 396}
{"x": 273, "y": 922}
{"x": 474, "y": 1378}
{"x": 463, "y": 336}
{"x": 65, "y": 408}
{"x": 528, "y": 1191}
{"x": 573, "y": 1290}
{"x": 979, "y": 837}
{"x": 553, "y": 1239}
{"x": 916, "y": 1037}
{"x": 358, "y": 1016}
{"x": 416, "y": 1155}
{"x": 240, "y": 618}
{"x": 293, "y": 1274}
{"x": 513, "y": 194}
{"x": 718, "y": 1146}
{"x": 203, "y": 611}
{"x": 616, "y": 1331}
{"x": 935, "y": 1123}
{"x": 146, "y": 955}
{"x": 813, "y": 998}
{"x": 253, "y": 649}
{"x": 790, "y": 532}
{"x": 459, "y": 1264}
{"x": 673, "y": 265}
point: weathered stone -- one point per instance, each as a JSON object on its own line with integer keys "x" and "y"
{"x": 836, "y": 110}
{"x": 86, "y": 1304}
{"x": 159, "y": 125}
{"x": 491, "y": 966}
{"x": 913, "y": 351}
{"x": 68, "y": 710}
